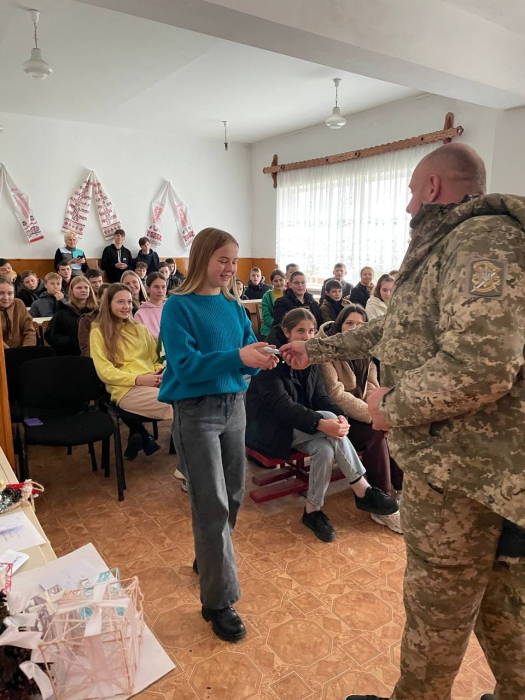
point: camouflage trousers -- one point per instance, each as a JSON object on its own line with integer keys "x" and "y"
{"x": 453, "y": 585}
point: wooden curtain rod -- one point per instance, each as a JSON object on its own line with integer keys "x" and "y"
{"x": 446, "y": 135}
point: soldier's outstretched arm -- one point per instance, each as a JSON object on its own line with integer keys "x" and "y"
{"x": 482, "y": 314}
{"x": 352, "y": 345}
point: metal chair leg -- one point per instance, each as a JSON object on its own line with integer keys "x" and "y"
{"x": 69, "y": 450}
{"x": 93, "y": 456}
{"x": 155, "y": 430}
{"x": 172, "y": 450}
{"x": 119, "y": 461}
{"x": 105, "y": 456}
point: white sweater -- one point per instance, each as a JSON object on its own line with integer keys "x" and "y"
{"x": 375, "y": 307}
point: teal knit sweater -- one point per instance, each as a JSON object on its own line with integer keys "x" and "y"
{"x": 202, "y": 336}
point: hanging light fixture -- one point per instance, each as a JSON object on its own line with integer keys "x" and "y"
{"x": 36, "y": 67}
{"x": 336, "y": 120}
{"x": 226, "y": 144}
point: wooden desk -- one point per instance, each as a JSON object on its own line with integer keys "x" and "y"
{"x": 41, "y": 554}
{"x": 254, "y": 306}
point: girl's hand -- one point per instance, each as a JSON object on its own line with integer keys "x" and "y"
{"x": 334, "y": 428}
{"x": 252, "y": 356}
{"x": 148, "y": 380}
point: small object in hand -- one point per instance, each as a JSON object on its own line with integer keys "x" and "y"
{"x": 31, "y": 422}
{"x": 272, "y": 351}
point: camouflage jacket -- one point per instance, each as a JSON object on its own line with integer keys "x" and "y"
{"x": 451, "y": 347}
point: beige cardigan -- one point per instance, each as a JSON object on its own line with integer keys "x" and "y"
{"x": 340, "y": 382}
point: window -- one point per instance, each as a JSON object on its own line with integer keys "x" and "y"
{"x": 353, "y": 212}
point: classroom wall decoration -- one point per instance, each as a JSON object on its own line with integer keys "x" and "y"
{"x": 79, "y": 204}
{"x": 180, "y": 211}
{"x": 21, "y": 206}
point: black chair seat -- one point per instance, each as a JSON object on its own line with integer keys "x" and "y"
{"x": 79, "y": 429}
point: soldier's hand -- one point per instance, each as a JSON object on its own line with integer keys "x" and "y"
{"x": 295, "y": 355}
{"x": 374, "y": 402}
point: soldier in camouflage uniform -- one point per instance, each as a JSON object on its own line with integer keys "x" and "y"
{"x": 452, "y": 352}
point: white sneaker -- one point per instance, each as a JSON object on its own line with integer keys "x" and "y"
{"x": 393, "y": 521}
{"x": 178, "y": 475}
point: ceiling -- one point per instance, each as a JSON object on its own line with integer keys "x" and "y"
{"x": 507, "y": 13}
{"x": 116, "y": 69}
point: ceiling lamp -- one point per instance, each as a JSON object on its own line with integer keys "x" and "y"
{"x": 226, "y": 144}
{"x": 336, "y": 120}
{"x": 36, "y": 67}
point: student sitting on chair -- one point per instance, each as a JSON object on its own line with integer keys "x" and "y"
{"x": 295, "y": 297}
{"x": 289, "y": 410}
{"x": 333, "y": 302}
{"x": 150, "y": 311}
{"x": 141, "y": 269}
{"x": 32, "y": 288}
{"x": 7, "y": 271}
{"x": 256, "y": 287}
{"x": 86, "y": 321}
{"x": 278, "y": 281}
{"x": 138, "y": 291}
{"x": 176, "y": 278}
{"x": 51, "y": 299}
{"x": 127, "y": 361}
{"x": 17, "y": 324}
{"x": 94, "y": 276}
{"x": 348, "y": 383}
{"x": 62, "y": 332}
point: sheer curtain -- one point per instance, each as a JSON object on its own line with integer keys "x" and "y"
{"x": 351, "y": 212}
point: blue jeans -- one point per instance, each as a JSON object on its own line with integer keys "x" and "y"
{"x": 324, "y": 451}
{"x": 208, "y": 433}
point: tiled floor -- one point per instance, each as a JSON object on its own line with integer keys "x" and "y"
{"x": 323, "y": 620}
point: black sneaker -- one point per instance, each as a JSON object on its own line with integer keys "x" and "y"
{"x": 488, "y": 696}
{"x": 375, "y": 501}
{"x": 226, "y": 624}
{"x": 319, "y": 524}
{"x": 134, "y": 446}
{"x": 149, "y": 445}
{"x": 364, "y": 697}
{"x": 195, "y": 567}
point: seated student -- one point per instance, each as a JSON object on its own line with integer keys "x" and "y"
{"x": 360, "y": 294}
{"x": 138, "y": 292}
{"x": 270, "y": 297}
{"x": 94, "y": 277}
{"x": 256, "y": 288}
{"x": 17, "y": 324}
{"x": 116, "y": 257}
{"x": 64, "y": 270}
{"x": 378, "y": 303}
{"x": 141, "y": 269}
{"x": 146, "y": 255}
{"x": 50, "y": 300}
{"x": 7, "y": 271}
{"x": 339, "y": 275}
{"x": 394, "y": 273}
{"x": 176, "y": 277}
{"x": 75, "y": 256}
{"x": 127, "y": 361}
{"x": 150, "y": 311}
{"x": 348, "y": 383}
{"x": 86, "y": 321}
{"x": 290, "y": 268}
{"x": 164, "y": 270}
{"x": 62, "y": 332}
{"x": 289, "y": 410}
{"x": 32, "y": 288}
{"x": 239, "y": 290}
{"x": 333, "y": 301}
{"x": 296, "y": 297}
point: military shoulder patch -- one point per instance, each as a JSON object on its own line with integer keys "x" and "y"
{"x": 486, "y": 278}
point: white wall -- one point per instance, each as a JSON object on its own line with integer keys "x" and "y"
{"x": 392, "y": 122}
{"x": 49, "y": 158}
{"x": 508, "y": 166}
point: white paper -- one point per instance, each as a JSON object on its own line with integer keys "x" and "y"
{"x": 14, "y": 558}
{"x": 10, "y": 522}
{"x": 85, "y": 562}
{"x": 24, "y": 536}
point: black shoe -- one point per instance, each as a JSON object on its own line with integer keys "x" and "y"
{"x": 195, "y": 567}
{"x": 375, "y": 501}
{"x": 364, "y": 697}
{"x": 488, "y": 696}
{"x": 319, "y": 524}
{"x": 226, "y": 624}
{"x": 134, "y": 446}
{"x": 149, "y": 445}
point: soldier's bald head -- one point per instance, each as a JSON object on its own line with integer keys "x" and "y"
{"x": 447, "y": 175}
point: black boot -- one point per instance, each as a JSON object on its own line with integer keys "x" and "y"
{"x": 488, "y": 696}
{"x": 376, "y": 501}
{"x": 134, "y": 446}
{"x": 226, "y": 624}
{"x": 319, "y": 524}
{"x": 148, "y": 443}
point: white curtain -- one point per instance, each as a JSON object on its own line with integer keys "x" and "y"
{"x": 353, "y": 212}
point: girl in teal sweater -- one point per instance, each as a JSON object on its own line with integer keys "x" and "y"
{"x": 209, "y": 345}
{"x": 278, "y": 279}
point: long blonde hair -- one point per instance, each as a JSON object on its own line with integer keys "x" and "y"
{"x": 143, "y": 295}
{"x": 203, "y": 247}
{"x": 91, "y": 302}
{"x": 110, "y": 326}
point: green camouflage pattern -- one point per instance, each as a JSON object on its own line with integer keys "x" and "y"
{"x": 451, "y": 347}
{"x": 453, "y": 585}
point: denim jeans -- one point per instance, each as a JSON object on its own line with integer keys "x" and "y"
{"x": 323, "y": 451}
{"x": 208, "y": 433}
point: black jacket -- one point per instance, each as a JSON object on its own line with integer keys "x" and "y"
{"x": 360, "y": 295}
{"x": 62, "y": 332}
{"x": 110, "y": 257}
{"x": 347, "y": 288}
{"x": 256, "y": 291}
{"x": 277, "y": 402}
{"x": 289, "y": 301}
{"x": 47, "y": 305}
{"x": 28, "y": 297}
{"x": 175, "y": 280}
{"x": 151, "y": 260}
